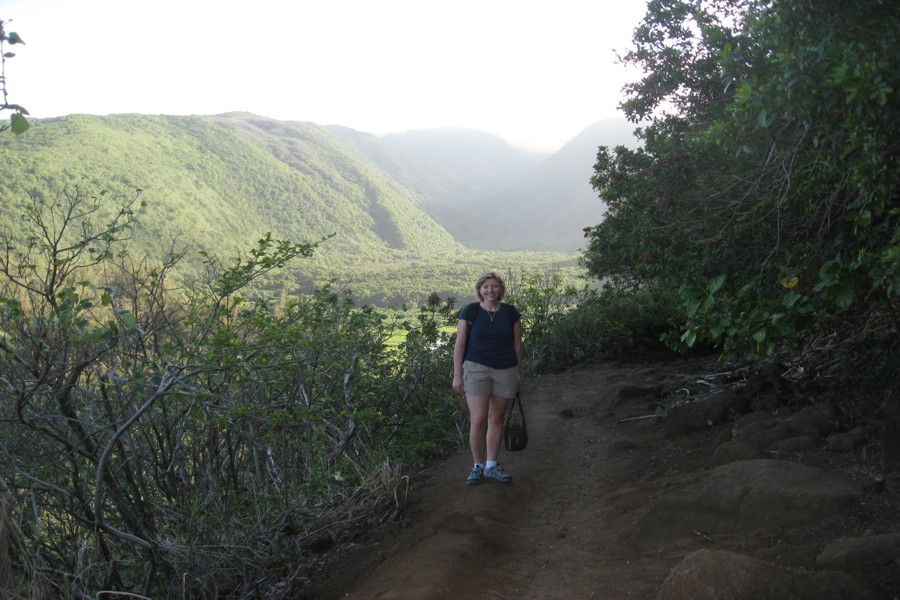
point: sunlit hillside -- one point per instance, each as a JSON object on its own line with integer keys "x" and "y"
{"x": 216, "y": 184}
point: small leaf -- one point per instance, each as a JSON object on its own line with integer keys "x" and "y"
{"x": 844, "y": 297}
{"x": 692, "y": 308}
{"x": 791, "y": 298}
{"x": 715, "y": 284}
{"x": 831, "y": 270}
{"x": 19, "y": 124}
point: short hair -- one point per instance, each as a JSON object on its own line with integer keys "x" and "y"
{"x": 484, "y": 277}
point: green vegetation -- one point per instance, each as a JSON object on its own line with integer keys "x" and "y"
{"x": 214, "y": 185}
{"x": 190, "y": 404}
{"x": 202, "y": 442}
{"x": 193, "y": 406}
{"x": 762, "y": 206}
{"x": 180, "y": 443}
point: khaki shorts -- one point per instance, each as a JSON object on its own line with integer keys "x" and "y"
{"x": 479, "y": 380}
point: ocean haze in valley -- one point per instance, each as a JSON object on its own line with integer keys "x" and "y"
{"x": 489, "y": 194}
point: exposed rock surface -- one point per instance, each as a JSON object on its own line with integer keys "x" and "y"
{"x": 724, "y": 575}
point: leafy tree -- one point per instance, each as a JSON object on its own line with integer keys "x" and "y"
{"x": 764, "y": 196}
{"x": 18, "y": 123}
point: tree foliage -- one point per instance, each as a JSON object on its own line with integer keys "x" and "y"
{"x": 764, "y": 197}
{"x": 201, "y": 442}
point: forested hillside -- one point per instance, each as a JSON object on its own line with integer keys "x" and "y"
{"x": 217, "y": 184}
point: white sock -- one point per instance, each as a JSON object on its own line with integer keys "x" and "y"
{"x": 490, "y": 464}
{"x": 479, "y": 465}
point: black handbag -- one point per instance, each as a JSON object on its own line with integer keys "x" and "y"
{"x": 515, "y": 432}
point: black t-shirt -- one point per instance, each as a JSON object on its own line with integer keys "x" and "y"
{"x": 491, "y": 337}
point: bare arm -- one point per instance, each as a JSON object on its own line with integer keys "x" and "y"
{"x": 517, "y": 340}
{"x": 459, "y": 349}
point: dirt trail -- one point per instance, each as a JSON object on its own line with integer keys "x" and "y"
{"x": 565, "y": 528}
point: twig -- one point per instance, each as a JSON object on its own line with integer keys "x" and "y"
{"x": 641, "y": 418}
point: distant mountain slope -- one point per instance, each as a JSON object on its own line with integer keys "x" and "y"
{"x": 467, "y": 163}
{"x": 493, "y": 196}
{"x": 549, "y": 207}
{"x": 448, "y": 168}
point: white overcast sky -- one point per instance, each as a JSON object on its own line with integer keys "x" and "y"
{"x": 533, "y": 72}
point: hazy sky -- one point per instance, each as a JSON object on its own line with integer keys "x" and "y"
{"x": 534, "y": 72}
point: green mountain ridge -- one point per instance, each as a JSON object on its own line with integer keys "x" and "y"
{"x": 384, "y": 212}
{"x": 218, "y": 183}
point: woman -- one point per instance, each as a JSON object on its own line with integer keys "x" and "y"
{"x": 486, "y": 362}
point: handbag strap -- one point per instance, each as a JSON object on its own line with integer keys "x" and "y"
{"x": 512, "y": 407}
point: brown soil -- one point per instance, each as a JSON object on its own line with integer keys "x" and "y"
{"x": 566, "y": 527}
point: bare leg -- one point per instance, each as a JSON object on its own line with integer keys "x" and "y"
{"x": 478, "y": 426}
{"x": 496, "y": 413}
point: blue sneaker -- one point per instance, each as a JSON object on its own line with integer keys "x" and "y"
{"x": 498, "y": 473}
{"x": 476, "y": 475}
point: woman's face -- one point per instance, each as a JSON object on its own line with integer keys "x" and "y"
{"x": 491, "y": 290}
